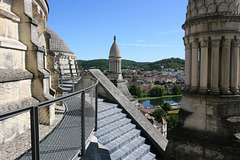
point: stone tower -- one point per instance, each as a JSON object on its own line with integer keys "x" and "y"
{"x": 115, "y": 71}
{"x": 209, "y": 122}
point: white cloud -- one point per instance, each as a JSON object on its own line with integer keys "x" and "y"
{"x": 168, "y": 32}
{"x": 144, "y": 45}
{"x": 140, "y": 41}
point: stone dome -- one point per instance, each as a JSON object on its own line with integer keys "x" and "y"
{"x": 57, "y": 44}
{"x": 115, "y": 51}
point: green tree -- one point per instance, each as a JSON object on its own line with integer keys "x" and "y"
{"x": 159, "y": 113}
{"x": 167, "y": 92}
{"x": 167, "y": 107}
{"x": 172, "y": 121}
{"x": 157, "y": 82}
{"x": 139, "y": 73}
{"x": 134, "y": 79}
{"x": 156, "y": 91}
{"x": 176, "y": 89}
{"x": 134, "y": 90}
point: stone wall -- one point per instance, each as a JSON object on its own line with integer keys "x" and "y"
{"x": 24, "y": 77}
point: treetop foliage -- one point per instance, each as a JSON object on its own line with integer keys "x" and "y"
{"x": 156, "y": 91}
{"x": 159, "y": 113}
{"x": 167, "y": 107}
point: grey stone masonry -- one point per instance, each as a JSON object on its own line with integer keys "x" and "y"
{"x": 157, "y": 141}
{"x": 119, "y": 135}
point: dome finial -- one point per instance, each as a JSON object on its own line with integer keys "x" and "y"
{"x": 115, "y": 38}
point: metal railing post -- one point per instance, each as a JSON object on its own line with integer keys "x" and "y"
{"x": 83, "y": 124}
{"x": 35, "y": 133}
{"x": 73, "y": 83}
{"x": 61, "y": 79}
{"x": 96, "y": 108}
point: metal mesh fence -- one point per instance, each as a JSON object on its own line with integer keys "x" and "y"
{"x": 56, "y": 128}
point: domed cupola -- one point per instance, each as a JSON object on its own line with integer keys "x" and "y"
{"x": 115, "y": 51}
{"x": 115, "y": 71}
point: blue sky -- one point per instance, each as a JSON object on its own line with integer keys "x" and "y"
{"x": 146, "y": 30}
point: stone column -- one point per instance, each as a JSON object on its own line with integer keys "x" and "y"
{"x": 214, "y": 86}
{"x": 225, "y": 66}
{"x": 187, "y": 65}
{"x": 194, "y": 78}
{"x": 204, "y": 67}
{"x": 234, "y": 66}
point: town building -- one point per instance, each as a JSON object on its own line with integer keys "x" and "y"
{"x": 160, "y": 124}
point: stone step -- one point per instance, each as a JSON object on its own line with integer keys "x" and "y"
{"x": 68, "y": 81}
{"x": 119, "y": 135}
{"x": 100, "y": 100}
{"x": 235, "y": 119}
{"x": 67, "y": 85}
{"x": 104, "y": 106}
{"x": 139, "y": 153}
{"x": 116, "y": 133}
{"x": 111, "y": 119}
{"x": 129, "y": 148}
{"x": 237, "y": 135}
{"x": 149, "y": 156}
{"x": 235, "y": 123}
{"x": 108, "y": 113}
{"x": 124, "y": 140}
{"x": 104, "y": 130}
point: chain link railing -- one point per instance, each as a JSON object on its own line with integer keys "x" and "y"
{"x": 55, "y": 129}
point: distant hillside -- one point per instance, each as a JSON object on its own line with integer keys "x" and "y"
{"x": 102, "y": 64}
{"x": 168, "y": 63}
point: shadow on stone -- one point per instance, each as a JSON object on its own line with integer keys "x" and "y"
{"x": 95, "y": 153}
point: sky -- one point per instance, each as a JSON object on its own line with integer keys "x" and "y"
{"x": 146, "y": 30}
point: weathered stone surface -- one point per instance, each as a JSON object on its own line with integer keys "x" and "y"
{"x": 23, "y": 74}
{"x": 14, "y": 75}
{"x": 182, "y": 149}
{"x": 207, "y": 127}
{"x": 13, "y": 105}
{"x": 112, "y": 92}
{"x": 15, "y": 91}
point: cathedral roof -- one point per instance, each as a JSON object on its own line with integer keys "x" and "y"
{"x": 57, "y": 44}
{"x": 115, "y": 51}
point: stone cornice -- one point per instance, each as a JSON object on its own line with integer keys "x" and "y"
{"x": 8, "y": 75}
{"x": 12, "y": 43}
{"x": 9, "y": 15}
{"x": 215, "y": 32}
{"x": 17, "y": 104}
{"x": 44, "y": 6}
{"x": 209, "y": 18}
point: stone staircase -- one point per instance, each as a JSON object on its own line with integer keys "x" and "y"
{"x": 119, "y": 135}
{"x": 67, "y": 85}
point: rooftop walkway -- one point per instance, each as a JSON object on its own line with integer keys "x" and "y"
{"x": 65, "y": 140}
